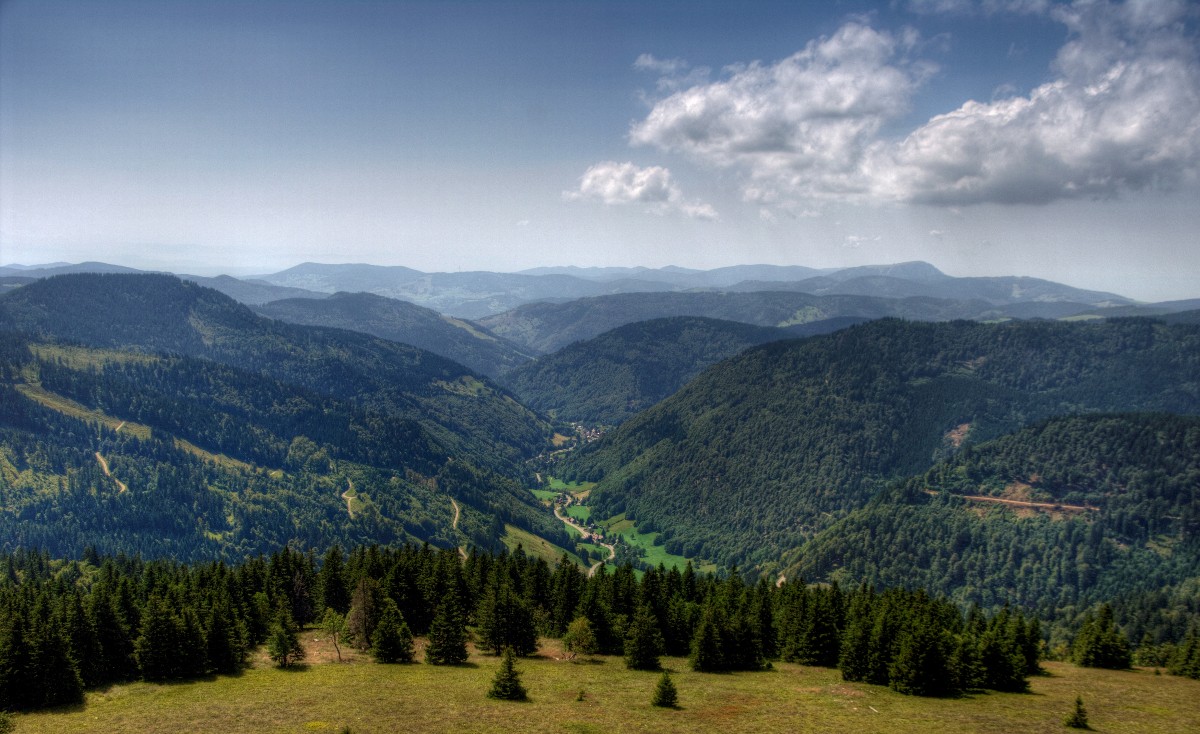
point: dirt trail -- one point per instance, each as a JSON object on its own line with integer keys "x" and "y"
{"x": 347, "y": 496}
{"x": 462, "y": 549}
{"x": 104, "y": 467}
{"x": 1023, "y": 503}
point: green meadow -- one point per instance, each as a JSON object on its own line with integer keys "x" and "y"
{"x": 599, "y": 695}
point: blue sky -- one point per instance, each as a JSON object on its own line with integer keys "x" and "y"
{"x": 989, "y": 137}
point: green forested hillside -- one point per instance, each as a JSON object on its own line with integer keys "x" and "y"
{"x": 762, "y": 451}
{"x": 609, "y": 378}
{"x": 547, "y": 327}
{"x": 1095, "y": 508}
{"x": 184, "y": 458}
{"x": 193, "y": 428}
{"x": 161, "y": 314}
{"x": 407, "y": 323}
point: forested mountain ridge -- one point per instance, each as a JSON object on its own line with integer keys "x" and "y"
{"x": 162, "y": 314}
{"x": 186, "y": 425}
{"x": 408, "y": 323}
{"x": 1055, "y": 519}
{"x": 762, "y": 451}
{"x": 608, "y": 379}
{"x": 547, "y": 327}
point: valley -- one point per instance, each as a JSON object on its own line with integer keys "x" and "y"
{"x": 1043, "y": 466}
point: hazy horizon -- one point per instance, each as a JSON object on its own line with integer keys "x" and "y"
{"x": 1058, "y": 140}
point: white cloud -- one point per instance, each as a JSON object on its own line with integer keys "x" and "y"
{"x": 1122, "y": 112}
{"x": 652, "y": 188}
{"x": 970, "y": 7}
{"x": 648, "y": 62}
{"x": 801, "y": 125}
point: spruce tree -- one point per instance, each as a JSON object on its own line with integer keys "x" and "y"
{"x": 506, "y": 686}
{"x": 331, "y": 581}
{"x": 1077, "y": 719}
{"x": 447, "y": 634}
{"x": 393, "y": 641}
{"x": 665, "y": 694}
{"x": 283, "y": 640}
{"x": 158, "y": 647}
{"x": 707, "y": 655}
{"x": 643, "y": 641}
{"x": 1100, "y": 644}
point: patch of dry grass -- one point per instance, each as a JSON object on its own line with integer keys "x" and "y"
{"x": 325, "y": 695}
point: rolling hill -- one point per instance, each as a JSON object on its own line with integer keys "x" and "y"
{"x": 548, "y": 327}
{"x": 1055, "y": 518}
{"x": 258, "y": 431}
{"x": 761, "y": 452}
{"x": 608, "y": 379}
{"x": 401, "y": 321}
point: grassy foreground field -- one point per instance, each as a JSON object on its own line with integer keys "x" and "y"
{"x": 326, "y": 696}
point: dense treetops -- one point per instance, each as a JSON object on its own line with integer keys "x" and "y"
{"x": 763, "y": 450}
{"x": 68, "y": 625}
{"x": 160, "y": 314}
{"x": 404, "y": 322}
{"x": 1103, "y": 507}
{"x": 608, "y": 379}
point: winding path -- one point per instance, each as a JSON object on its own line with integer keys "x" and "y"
{"x": 121, "y": 487}
{"x": 462, "y": 549}
{"x": 347, "y": 496}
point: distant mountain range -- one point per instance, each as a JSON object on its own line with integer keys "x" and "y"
{"x": 1047, "y": 463}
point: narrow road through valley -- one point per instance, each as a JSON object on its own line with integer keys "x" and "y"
{"x": 588, "y": 536}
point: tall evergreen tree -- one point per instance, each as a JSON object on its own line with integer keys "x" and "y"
{"x": 331, "y": 581}
{"x": 283, "y": 640}
{"x": 707, "y": 650}
{"x": 159, "y": 647}
{"x": 643, "y": 641}
{"x": 447, "y": 634}
{"x": 1100, "y": 644}
{"x": 393, "y": 641}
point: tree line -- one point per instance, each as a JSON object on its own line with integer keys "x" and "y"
{"x": 69, "y": 625}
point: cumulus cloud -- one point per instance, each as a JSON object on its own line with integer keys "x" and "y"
{"x": 651, "y": 188}
{"x": 968, "y": 7}
{"x": 801, "y": 125}
{"x": 1121, "y": 112}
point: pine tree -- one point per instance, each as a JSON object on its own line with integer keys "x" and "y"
{"x": 283, "y": 640}
{"x": 643, "y": 641}
{"x": 665, "y": 694}
{"x": 506, "y": 686}
{"x": 393, "y": 641}
{"x": 1100, "y": 644}
{"x": 331, "y": 581}
{"x": 504, "y": 620}
{"x": 707, "y": 655}
{"x": 1077, "y": 718}
{"x": 159, "y": 645}
{"x": 447, "y": 634}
